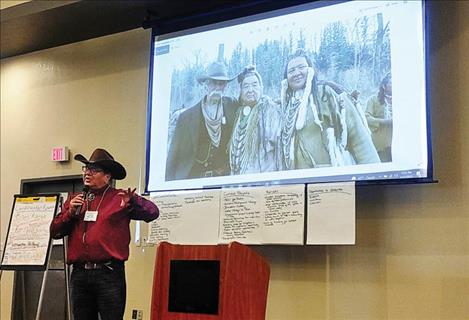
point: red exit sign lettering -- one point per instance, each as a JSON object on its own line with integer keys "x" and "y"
{"x": 60, "y": 154}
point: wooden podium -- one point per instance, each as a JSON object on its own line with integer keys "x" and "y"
{"x": 206, "y": 282}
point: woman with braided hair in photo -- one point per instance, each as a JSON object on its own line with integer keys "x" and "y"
{"x": 255, "y": 139}
{"x": 320, "y": 127}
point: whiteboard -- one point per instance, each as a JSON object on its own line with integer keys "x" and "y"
{"x": 28, "y": 239}
{"x": 263, "y": 215}
{"x": 186, "y": 217}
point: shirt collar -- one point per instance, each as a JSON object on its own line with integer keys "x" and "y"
{"x": 100, "y": 190}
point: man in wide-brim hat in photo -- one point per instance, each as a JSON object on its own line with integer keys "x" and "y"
{"x": 198, "y": 148}
{"x": 96, "y": 222}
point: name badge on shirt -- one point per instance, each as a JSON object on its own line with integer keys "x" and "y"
{"x": 91, "y": 215}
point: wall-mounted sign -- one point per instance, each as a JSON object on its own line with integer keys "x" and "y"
{"x": 60, "y": 154}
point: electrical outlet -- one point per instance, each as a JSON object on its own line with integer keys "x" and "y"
{"x": 137, "y": 314}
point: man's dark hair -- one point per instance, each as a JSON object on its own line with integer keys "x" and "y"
{"x": 382, "y": 86}
{"x": 314, "y": 87}
{"x": 105, "y": 170}
{"x": 298, "y": 53}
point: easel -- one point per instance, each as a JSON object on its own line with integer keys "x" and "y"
{"x": 44, "y": 280}
{"x": 29, "y": 247}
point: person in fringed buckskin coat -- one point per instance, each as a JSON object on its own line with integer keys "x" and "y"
{"x": 320, "y": 127}
{"x": 254, "y": 145}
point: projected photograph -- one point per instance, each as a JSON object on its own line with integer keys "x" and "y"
{"x": 301, "y": 93}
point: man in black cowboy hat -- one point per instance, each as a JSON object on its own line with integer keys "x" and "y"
{"x": 97, "y": 225}
{"x": 199, "y": 145}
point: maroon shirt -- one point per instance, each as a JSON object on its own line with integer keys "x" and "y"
{"x": 108, "y": 237}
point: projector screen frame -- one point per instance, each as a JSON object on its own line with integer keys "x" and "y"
{"x": 248, "y": 13}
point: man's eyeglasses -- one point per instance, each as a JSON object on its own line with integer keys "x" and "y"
{"x": 91, "y": 169}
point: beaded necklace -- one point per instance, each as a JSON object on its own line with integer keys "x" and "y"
{"x": 85, "y": 223}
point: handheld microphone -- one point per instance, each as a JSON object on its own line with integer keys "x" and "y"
{"x": 84, "y": 193}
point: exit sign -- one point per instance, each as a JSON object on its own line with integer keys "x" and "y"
{"x": 60, "y": 154}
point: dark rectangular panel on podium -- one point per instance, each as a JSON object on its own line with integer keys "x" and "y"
{"x": 203, "y": 282}
{"x": 194, "y": 286}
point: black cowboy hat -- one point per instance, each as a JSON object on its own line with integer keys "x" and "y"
{"x": 103, "y": 159}
{"x": 215, "y": 71}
